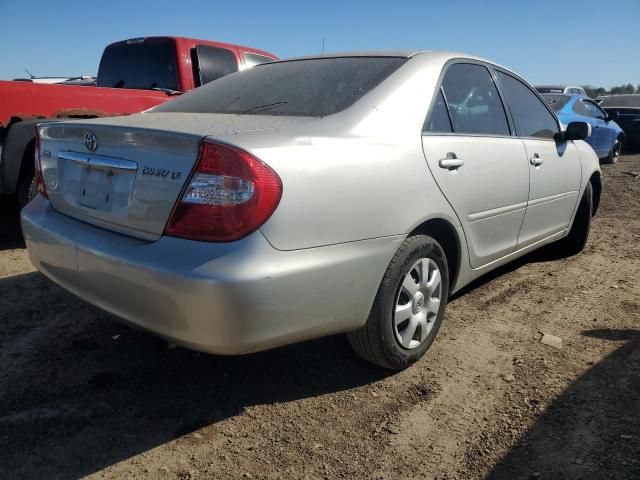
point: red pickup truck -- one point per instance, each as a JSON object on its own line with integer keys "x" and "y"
{"x": 133, "y": 75}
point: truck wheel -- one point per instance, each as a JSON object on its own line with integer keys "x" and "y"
{"x": 27, "y": 189}
{"x": 408, "y": 308}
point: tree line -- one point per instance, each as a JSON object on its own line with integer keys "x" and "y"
{"x": 619, "y": 90}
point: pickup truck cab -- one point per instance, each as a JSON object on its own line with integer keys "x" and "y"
{"x": 134, "y": 75}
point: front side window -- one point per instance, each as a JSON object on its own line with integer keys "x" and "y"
{"x": 530, "y": 115}
{"x": 474, "y": 104}
{"x": 580, "y": 108}
{"x": 439, "y": 120}
{"x": 593, "y": 110}
{"x": 211, "y": 63}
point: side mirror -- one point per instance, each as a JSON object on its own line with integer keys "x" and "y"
{"x": 577, "y": 131}
{"x": 613, "y": 116}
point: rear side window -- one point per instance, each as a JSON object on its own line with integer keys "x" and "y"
{"x": 211, "y": 63}
{"x": 253, "y": 59}
{"x": 530, "y": 115}
{"x": 557, "y": 102}
{"x": 439, "y": 120}
{"x": 580, "y": 109}
{"x": 139, "y": 65}
{"x": 474, "y": 104}
{"x": 305, "y": 88}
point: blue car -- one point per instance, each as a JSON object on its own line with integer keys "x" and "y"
{"x": 606, "y": 135}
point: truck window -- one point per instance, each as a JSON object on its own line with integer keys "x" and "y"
{"x": 211, "y": 63}
{"x": 139, "y": 65}
{"x": 253, "y": 59}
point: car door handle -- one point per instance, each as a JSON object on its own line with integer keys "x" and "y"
{"x": 536, "y": 161}
{"x": 451, "y": 162}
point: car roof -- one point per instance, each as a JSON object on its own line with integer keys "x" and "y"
{"x": 441, "y": 55}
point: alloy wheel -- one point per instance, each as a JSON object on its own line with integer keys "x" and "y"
{"x": 417, "y": 303}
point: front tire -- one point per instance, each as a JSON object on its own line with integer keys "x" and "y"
{"x": 577, "y": 238}
{"x": 409, "y": 306}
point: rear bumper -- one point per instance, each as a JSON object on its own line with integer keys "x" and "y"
{"x": 221, "y": 298}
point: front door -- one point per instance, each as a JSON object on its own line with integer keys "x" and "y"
{"x": 554, "y": 167}
{"x": 605, "y": 136}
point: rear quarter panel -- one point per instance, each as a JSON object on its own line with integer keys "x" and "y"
{"x": 358, "y": 174}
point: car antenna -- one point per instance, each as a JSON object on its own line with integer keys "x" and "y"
{"x": 322, "y": 45}
{"x": 31, "y": 75}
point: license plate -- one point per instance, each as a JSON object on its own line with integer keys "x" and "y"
{"x": 96, "y": 189}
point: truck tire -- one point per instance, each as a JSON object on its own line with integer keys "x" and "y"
{"x": 27, "y": 189}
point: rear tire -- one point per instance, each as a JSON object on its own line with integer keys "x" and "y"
{"x": 577, "y": 238}
{"x": 614, "y": 154}
{"x": 409, "y": 306}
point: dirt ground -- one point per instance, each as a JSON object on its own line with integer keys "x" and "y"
{"x": 82, "y": 395}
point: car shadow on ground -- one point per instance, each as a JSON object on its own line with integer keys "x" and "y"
{"x": 548, "y": 253}
{"x": 79, "y": 391}
{"x": 592, "y": 430}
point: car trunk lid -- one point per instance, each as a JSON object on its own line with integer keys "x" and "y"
{"x": 126, "y": 174}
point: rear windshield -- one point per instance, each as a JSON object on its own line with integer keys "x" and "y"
{"x": 139, "y": 65}
{"x": 632, "y": 101}
{"x": 557, "y": 102}
{"x": 305, "y": 88}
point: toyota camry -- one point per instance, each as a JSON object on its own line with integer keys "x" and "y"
{"x": 347, "y": 193}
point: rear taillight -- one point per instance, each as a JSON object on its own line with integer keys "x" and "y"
{"x": 38, "y": 167}
{"x": 230, "y": 194}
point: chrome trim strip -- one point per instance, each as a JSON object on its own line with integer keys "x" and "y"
{"x": 551, "y": 198}
{"x": 494, "y": 212}
{"x": 99, "y": 161}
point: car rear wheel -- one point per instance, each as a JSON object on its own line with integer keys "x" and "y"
{"x": 408, "y": 308}
{"x": 614, "y": 154}
{"x": 577, "y": 238}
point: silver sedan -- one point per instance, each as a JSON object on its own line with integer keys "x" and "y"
{"x": 349, "y": 193}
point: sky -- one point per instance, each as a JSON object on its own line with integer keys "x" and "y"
{"x": 567, "y": 42}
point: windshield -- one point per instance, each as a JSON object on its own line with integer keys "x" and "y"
{"x": 632, "y": 101}
{"x": 139, "y": 65}
{"x": 557, "y": 102}
{"x": 310, "y": 88}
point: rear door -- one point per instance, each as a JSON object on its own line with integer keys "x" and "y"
{"x": 480, "y": 168}
{"x": 554, "y": 167}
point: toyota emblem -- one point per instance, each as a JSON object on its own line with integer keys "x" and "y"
{"x": 91, "y": 142}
